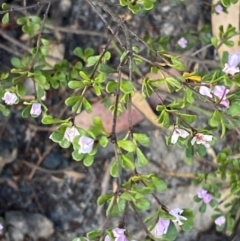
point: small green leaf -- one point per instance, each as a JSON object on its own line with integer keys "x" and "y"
{"x": 202, "y": 208}
{"x": 226, "y": 3}
{"x": 72, "y": 100}
{"x": 103, "y": 141}
{"x": 40, "y": 79}
{"x": 4, "y": 6}
{"x": 56, "y": 136}
{"x": 103, "y": 198}
{"x": 64, "y": 143}
{"x": 123, "y": 2}
{"x": 16, "y": 62}
{"x": 21, "y": 90}
{"x": 77, "y": 156}
{"x": 106, "y": 69}
{"x": 21, "y": 20}
{"x": 214, "y": 41}
{"x": 159, "y": 184}
{"x": 143, "y": 139}
{"x": 127, "y": 196}
{"x": 92, "y": 60}
{"x": 126, "y": 87}
{"x": 95, "y": 234}
{"x": 4, "y": 110}
{"x": 114, "y": 169}
{"x": 188, "y": 118}
{"x": 88, "y": 160}
{"x": 78, "y": 52}
{"x": 44, "y": 50}
{"x": 234, "y": 109}
{"x": 127, "y": 163}
{"x": 87, "y": 106}
{"x": 45, "y": 42}
{"x": 5, "y": 18}
{"x": 74, "y": 84}
{"x": 48, "y": 119}
{"x": 127, "y": 145}
{"x": 216, "y": 118}
{"x": 141, "y": 159}
{"x": 171, "y": 232}
{"x": 26, "y": 111}
{"x": 142, "y": 204}
{"x": 111, "y": 86}
{"x": 148, "y": 5}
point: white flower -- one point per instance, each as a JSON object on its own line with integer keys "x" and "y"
{"x": 182, "y": 42}
{"x": 176, "y": 212}
{"x": 220, "y": 221}
{"x": 204, "y": 90}
{"x": 36, "y": 109}
{"x": 231, "y": 67}
{"x": 86, "y": 144}
{"x": 202, "y": 139}
{"x": 178, "y": 132}
{"x": 10, "y": 98}
{"x": 71, "y": 133}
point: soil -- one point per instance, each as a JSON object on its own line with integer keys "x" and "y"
{"x": 61, "y": 189}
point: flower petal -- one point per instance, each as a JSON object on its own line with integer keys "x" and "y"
{"x": 183, "y": 133}
{"x": 193, "y": 140}
{"x": 174, "y": 137}
{"x": 220, "y": 221}
{"x": 204, "y": 90}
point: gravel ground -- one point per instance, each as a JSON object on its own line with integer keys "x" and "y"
{"x": 68, "y": 199}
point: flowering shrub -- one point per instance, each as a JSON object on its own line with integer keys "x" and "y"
{"x": 218, "y": 88}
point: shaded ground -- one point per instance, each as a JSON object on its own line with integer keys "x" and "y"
{"x": 65, "y": 191}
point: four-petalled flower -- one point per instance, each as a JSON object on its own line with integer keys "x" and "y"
{"x": 161, "y": 227}
{"x": 200, "y": 138}
{"x": 86, "y": 144}
{"x": 71, "y": 133}
{"x": 10, "y": 98}
{"x": 231, "y": 67}
{"x": 178, "y": 132}
{"x": 36, "y": 109}
{"x": 182, "y": 42}
{"x": 176, "y": 212}
{"x": 204, "y": 195}
{"x": 220, "y": 221}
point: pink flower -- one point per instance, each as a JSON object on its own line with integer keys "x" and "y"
{"x": 231, "y": 67}
{"x": 218, "y": 8}
{"x": 119, "y": 235}
{"x": 86, "y": 146}
{"x": 107, "y": 238}
{"x": 200, "y": 138}
{"x": 204, "y": 90}
{"x": 225, "y": 103}
{"x": 178, "y": 132}
{"x": 10, "y": 98}
{"x": 176, "y": 212}
{"x": 204, "y": 195}
{"x": 36, "y": 109}
{"x": 71, "y": 133}
{"x": 221, "y": 92}
{"x": 161, "y": 227}
{"x": 220, "y": 221}
{"x": 182, "y": 42}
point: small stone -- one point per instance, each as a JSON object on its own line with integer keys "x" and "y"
{"x": 18, "y": 224}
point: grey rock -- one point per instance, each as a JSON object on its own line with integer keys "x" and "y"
{"x": 18, "y": 224}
